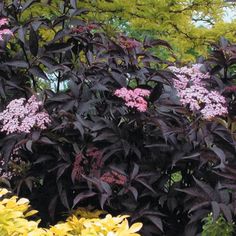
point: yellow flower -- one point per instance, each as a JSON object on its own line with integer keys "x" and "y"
{"x": 3, "y": 191}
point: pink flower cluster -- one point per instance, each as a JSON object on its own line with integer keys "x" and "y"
{"x": 3, "y": 22}
{"x": 6, "y": 174}
{"x": 192, "y": 90}
{"x": 113, "y": 177}
{"x": 15, "y": 165}
{"x": 81, "y": 29}
{"x": 96, "y": 161}
{"x": 78, "y": 169}
{"x": 230, "y": 89}
{"x": 134, "y": 98}
{"x": 128, "y": 43}
{"x": 89, "y": 164}
{"x": 21, "y": 116}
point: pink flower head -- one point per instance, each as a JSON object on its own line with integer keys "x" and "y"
{"x": 128, "y": 43}
{"x": 230, "y": 89}
{"x": 141, "y": 92}
{"x": 95, "y": 156}
{"x": 88, "y": 164}
{"x": 193, "y": 93}
{"x": 3, "y": 21}
{"x": 113, "y": 177}
{"x": 21, "y": 116}
{"x": 134, "y": 98}
{"x": 4, "y": 32}
{"x": 92, "y": 26}
{"x": 78, "y": 169}
{"x": 14, "y": 160}
{"x": 82, "y": 29}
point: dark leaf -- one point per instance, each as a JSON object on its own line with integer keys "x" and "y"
{"x": 145, "y": 184}
{"x": 27, "y": 4}
{"x": 148, "y": 42}
{"x": 58, "y": 47}
{"x": 73, "y": 3}
{"x": 20, "y": 64}
{"x": 79, "y": 126}
{"x": 82, "y": 196}
{"x": 134, "y": 192}
{"x": 61, "y": 170}
{"x": 226, "y": 211}
{"x": 38, "y": 72}
{"x": 156, "y": 92}
{"x": 220, "y": 153}
{"x": 7, "y": 149}
{"x": 156, "y": 221}
{"x": 52, "y": 206}
{"x": 135, "y": 171}
{"x": 29, "y": 145}
{"x": 103, "y": 199}
{"x": 64, "y": 199}
{"x": 215, "y": 210}
{"x": 33, "y": 42}
{"x": 207, "y": 189}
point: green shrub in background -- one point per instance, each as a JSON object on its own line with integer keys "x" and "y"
{"x": 220, "y": 227}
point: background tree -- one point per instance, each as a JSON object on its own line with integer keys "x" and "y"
{"x": 189, "y": 26}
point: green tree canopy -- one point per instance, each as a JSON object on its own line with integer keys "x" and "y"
{"x": 189, "y": 25}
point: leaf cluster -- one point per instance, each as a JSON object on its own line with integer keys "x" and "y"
{"x": 15, "y": 214}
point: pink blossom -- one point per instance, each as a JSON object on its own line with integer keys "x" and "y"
{"x": 141, "y": 92}
{"x": 230, "y": 89}
{"x": 113, "y": 177}
{"x": 78, "y": 169}
{"x": 21, "y": 116}
{"x": 82, "y": 29}
{"x": 134, "y": 98}
{"x": 95, "y": 156}
{"x": 6, "y": 174}
{"x": 4, "y": 32}
{"x": 3, "y": 21}
{"x": 15, "y": 165}
{"x": 191, "y": 86}
{"x": 128, "y": 43}
{"x": 88, "y": 164}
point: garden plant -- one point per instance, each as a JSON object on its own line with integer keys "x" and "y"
{"x": 101, "y": 122}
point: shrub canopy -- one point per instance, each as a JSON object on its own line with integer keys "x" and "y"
{"x": 119, "y": 136}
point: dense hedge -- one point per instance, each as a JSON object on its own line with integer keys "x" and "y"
{"x": 116, "y": 132}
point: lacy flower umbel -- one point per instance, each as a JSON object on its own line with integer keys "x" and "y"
{"x": 134, "y": 98}
{"x": 4, "y": 31}
{"x": 21, "y": 116}
{"x": 113, "y": 177}
{"x": 192, "y": 90}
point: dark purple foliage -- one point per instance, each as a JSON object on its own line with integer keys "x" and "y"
{"x": 93, "y": 132}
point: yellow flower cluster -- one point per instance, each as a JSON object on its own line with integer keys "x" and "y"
{"x": 14, "y": 213}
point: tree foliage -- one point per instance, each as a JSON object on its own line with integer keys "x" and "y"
{"x": 189, "y": 26}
